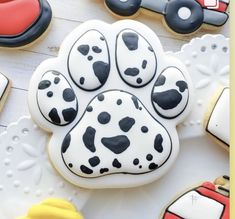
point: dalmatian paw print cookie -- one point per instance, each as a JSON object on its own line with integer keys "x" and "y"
{"x": 111, "y": 101}
{"x": 5, "y": 85}
{"x": 208, "y": 200}
{"x": 180, "y": 16}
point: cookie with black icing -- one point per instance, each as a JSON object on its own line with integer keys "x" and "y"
{"x": 5, "y": 85}
{"x": 22, "y": 22}
{"x": 217, "y": 117}
{"x": 112, "y": 100}
{"x": 207, "y": 200}
{"x": 181, "y": 16}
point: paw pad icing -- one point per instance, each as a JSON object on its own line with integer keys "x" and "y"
{"x": 123, "y": 134}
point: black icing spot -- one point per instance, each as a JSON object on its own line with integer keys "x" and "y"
{"x": 89, "y": 109}
{"x": 158, "y": 143}
{"x": 90, "y": 58}
{"x": 50, "y": 94}
{"x": 144, "y": 64}
{"x": 167, "y": 99}
{"x": 86, "y": 170}
{"x": 100, "y": 97}
{"x": 70, "y": 165}
{"x": 182, "y": 85}
{"x": 53, "y": 114}
{"x": 55, "y": 73}
{"x": 160, "y": 81}
{"x": 117, "y": 144}
{"x": 144, "y": 129}
{"x": 102, "y": 38}
{"x": 153, "y": 166}
{"x": 68, "y": 95}
{"x": 135, "y": 101}
{"x": 136, "y": 161}
{"x": 89, "y": 139}
{"x": 84, "y": 49}
{"x": 57, "y": 80}
{"x": 101, "y": 70}
{"x": 131, "y": 40}
{"x": 139, "y": 80}
{"x": 132, "y": 71}
{"x": 149, "y": 157}
{"x": 116, "y": 163}
{"x": 104, "y": 170}
{"x": 150, "y": 48}
{"x": 104, "y": 118}
{"x": 69, "y": 114}
{"x": 96, "y": 49}
{"x": 66, "y": 143}
{"x": 82, "y": 80}
{"x": 119, "y": 102}
{"x": 126, "y": 123}
{"x": 140, "y": 166}
{"x": 94, "y": 161}
{"x": 44, "y": 84}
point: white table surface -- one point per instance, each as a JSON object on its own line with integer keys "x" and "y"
{"x": 198, "y": 160}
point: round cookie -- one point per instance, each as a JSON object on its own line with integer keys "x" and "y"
{"x": 22, "y": 22}
{"x": 124, "y": 104}
{"x": 53, "y": 209}
{"x": 5, "y": 85}
{"x": 208, "y": 200}
{"x": 217, "y": 117}
{"x": 181, "y": 16}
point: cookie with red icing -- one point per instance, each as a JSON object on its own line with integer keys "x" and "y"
{"x": 208, "y": 200}
{"x": 181, "y": 16}
{"x": 23, "y": 21}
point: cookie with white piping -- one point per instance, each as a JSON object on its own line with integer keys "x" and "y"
{"x": 5, "y": 85}
{"x": 208, "y": 61}
{"x": 22, "y": 22}
{"x": 217, "y": 117}
{"x": 112, "y": 100}
{"x": 180, "y": 16}
{"x": 207, "y": 200}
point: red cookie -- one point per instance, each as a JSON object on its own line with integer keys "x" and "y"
{"x": 23, "y": 21}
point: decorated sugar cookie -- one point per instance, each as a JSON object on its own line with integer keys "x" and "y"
{"x": 181, "y": 16}
{"x": 112, "y": 100}
{"x": 208, "y": 200}
{"x": 4, "y": 89}
{"x": 21, "y": 156}
{"x": 53, "y": 209}
{"x": 208, "y": 61}
{"x": 23, "y": 21}
{"x": 217, "y": 118}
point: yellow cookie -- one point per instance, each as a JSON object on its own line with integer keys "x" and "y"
{"x": 53, "y": 209}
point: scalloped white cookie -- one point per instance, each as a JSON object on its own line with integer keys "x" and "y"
{"x": 112, "y": 100}
{"x": 207, "y": 59}
{"x": 27, "y": 176}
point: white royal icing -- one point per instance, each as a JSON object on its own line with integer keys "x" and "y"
{"x": 118, "y": 134}
{"x": 219, "y": 120}
{"x": 192, "y": 205}
{"x": 3, "y": 84}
